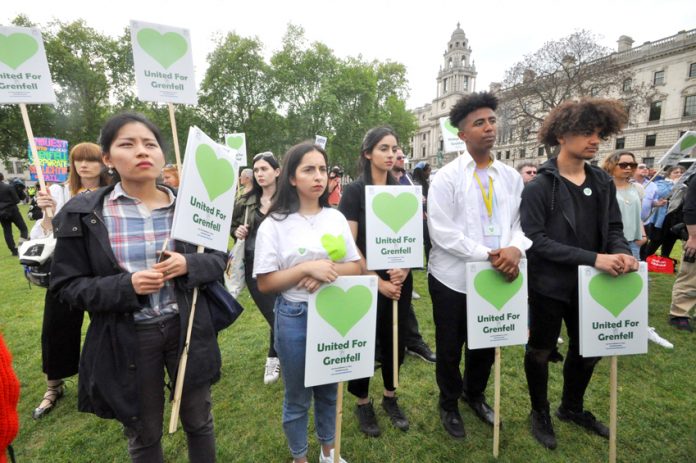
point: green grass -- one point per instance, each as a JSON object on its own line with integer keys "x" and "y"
{"x": 656, "y": 414}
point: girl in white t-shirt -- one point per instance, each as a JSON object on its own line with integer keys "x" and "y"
{"x": 301, "y": 244}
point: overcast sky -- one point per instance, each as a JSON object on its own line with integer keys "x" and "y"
{"x": 413, "y": 33}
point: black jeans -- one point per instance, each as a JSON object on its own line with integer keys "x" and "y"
{"x": 265, "y": 302}
{"x": 545, "y": 317}
{"x": 449, "y": 312}
{"x": 14, "y": 217}
{"x": 360, "y": 387}
{"x": 61, "y": 333}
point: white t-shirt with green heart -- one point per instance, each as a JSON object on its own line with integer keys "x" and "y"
{"x": 282, "y": 244}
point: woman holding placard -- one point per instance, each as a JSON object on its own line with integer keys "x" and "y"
{"x": 61, "y": 331}
{"x": 377, "y": 157}
{"x": 249, "y": 211}
{"x": 108, "y": 261}
{"x": 302, "y": 244}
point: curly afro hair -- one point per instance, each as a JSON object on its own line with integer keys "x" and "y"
{"x": 471, "y": 103}
{"x": 583, "y": 117}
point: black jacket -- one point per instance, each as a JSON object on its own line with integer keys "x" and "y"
{"x": 8, "y": 197}
{"x": 548, "y": 219}
{"x": 85, "y": 274}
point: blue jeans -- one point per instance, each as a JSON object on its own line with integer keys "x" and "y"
{"x": 635, "y": 249}
{"x": 290, "y": 341}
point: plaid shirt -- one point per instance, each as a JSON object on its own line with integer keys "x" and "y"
{"x": 136, "y": 235}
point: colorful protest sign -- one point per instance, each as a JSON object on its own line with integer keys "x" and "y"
{"x": 496, "y": 308}
{"x": 613, "y": 312}
{"x": 341, "y": 321}
{"x": 163, "y": 63}
{"x": 237, "y": 143}
{"x": 53, "y": 157}
{"x": 450, "y": 137}
{"x": 394, "y": 227}
{"x": 320, "y": 140}
{"x": 204, "y": 204}
{"x": 24, "y": 73}
{"x": 681, "y": 149}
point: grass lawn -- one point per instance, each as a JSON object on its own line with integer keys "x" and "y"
{"x": 657, "y": 412}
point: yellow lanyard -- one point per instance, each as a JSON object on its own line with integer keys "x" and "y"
{"x": 487, "y": 198}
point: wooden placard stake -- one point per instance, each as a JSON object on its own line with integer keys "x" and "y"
{"x": 34, "y": 153}
{"x": 496, "y": 404}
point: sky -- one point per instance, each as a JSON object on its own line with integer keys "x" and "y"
{"x": 500, "y": 32}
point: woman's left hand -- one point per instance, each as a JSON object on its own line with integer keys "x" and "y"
{"x": 173, "y": 265}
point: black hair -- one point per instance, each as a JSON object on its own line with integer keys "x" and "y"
{"x": 370, "y": 140}
{"x": 286, "y": 200}
{"x": 257, "y": 189}
{"x": 583, "y": 118}
{"x": 115, "y": 123}
{"x": 470, "y": 103}
{"x": 419, "y": 177}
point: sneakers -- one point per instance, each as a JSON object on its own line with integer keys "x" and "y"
{"x": 414, "y": 295}
{"x": 330, "y": 457}
{"x": 398, "y": 419}
{"x": 585, "y": 419}
{"x": 367, "y": 419}
{"x": 681, "y": 323}
{"x": 423, "y": 351}
{"x": 657, "y": 339}
{"x": 272, "y": 370}
{"x": 542, "y": 428}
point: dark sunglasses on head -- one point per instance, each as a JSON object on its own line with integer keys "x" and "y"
{"x": 627, "y": 165}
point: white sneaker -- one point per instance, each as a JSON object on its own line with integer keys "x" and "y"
{"x": 560, "y": 340}
{"x": 330, "y": 458}
{"x": 657, "y": 339}
{"x": 272, "y": 371}
{"x": 415, "y": 295}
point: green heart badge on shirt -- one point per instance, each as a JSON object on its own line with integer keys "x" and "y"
{"x": 395, "y": 211}
{"x": 343, "y": 309}
{"x": 166, "y": 48}
{"x": 217, "y": 174}
{"x": 335, "y": 246}
{"x": 235, "y": 142}
{"x": 615, "y": 293}
{"x": 494, "y": 288}
{"x": 16, "y": 48}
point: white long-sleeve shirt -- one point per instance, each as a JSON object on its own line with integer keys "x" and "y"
{"x": 60, "y": 194}
{"x": 454, "y": 218}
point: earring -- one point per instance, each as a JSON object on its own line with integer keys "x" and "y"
{"x": 111, "y": 170}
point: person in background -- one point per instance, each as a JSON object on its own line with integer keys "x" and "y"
{"x": 170, "y": 176}
{"x": 684, "y": 289}
{"x": 335, "y": 188}
{"x": 528, "y": 171}
{"x": 640, "y": 176}
{"x": 659, "y": 223}
{"x": 245, "y": 182}
{"x": 9, "y": 214}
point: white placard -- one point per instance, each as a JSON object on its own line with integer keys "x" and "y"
{"x": 497, "y": 311}
{"x": 163, "y": 63}
{"x": 203, "y": 213}
{"x": 681, "y": 149}
{"x": 24, "y": 73}
{"x": 341, "y": 323}
{"x": 450, "y": 137}
{"x": 321, "y": 141}
{"x": 237, "y": 143}
{"x": 394, "y": 227}
{"x": 613, "y": 312}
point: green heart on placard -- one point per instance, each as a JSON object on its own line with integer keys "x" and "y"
{"x": 494, "y": 288}
{"x": 687, "y": 143}
{"x": 166, "y": 48}
{"x": 615, "y": 293}
{"x": 450, "y": 128}
{"x": 343, "y": 309}
{"x": 395, "y": 211}
{"x": 335, "y": 246}
{"x": 16, "y": 48}
{"x": 235, "y": 142}
{"x": 301, "y": 251}
{"x": 217, "y": 174}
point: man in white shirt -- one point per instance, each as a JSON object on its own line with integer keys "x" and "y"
{"x": 473, "y": 215}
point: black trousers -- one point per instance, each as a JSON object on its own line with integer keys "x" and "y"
{"x": 449, "y": 312}
{"x": 265, "y": 302}
{"x": 61, "y": 333}
{"x": 360, "y": 387}
{"x": 545, "y": 317}
{"x": 14, "y": 217}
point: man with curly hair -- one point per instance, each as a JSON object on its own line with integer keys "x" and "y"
{"x": 571, "y": 215}
{"x": 473, "y": 215}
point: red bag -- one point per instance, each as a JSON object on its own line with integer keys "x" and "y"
{"x": 659, "y": 264}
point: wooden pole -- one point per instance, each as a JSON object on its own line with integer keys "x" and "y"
{"x": 496, "y": 405}
{"x": 613, "y": 392}
{"x": 395, "y": 343}
{"x": 175, "y": 135}
{"x": 181, "y": 372}
{"x": 34, "y": 154}
{"x": 339, "y": 419}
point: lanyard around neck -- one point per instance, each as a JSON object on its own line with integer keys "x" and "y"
{"x": 487, "y": 198}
